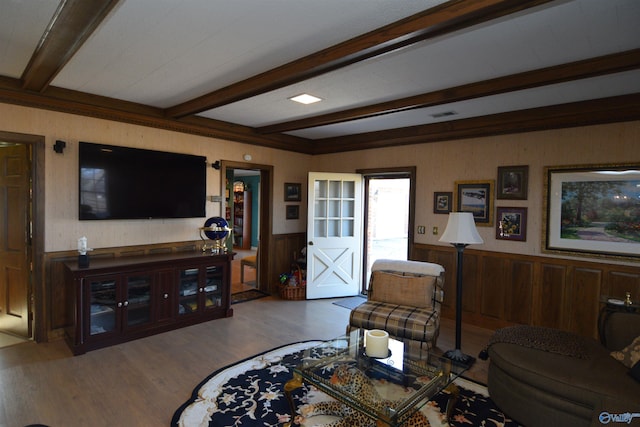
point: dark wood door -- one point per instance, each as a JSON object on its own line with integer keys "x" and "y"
{"x": 14, "y": 239}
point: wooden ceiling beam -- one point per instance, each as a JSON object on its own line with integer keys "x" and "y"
{"x": 73, "y": 102}
{"x": 71, "y": 25}
{"x": 608, "y": 64}
{"x": 584, "y": 113}
{"x": 448, "y": 17}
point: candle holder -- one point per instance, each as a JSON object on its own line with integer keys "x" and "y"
{"x": 83, "y": 260}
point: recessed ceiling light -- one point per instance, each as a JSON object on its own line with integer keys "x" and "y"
{"x": 305, "y": 98}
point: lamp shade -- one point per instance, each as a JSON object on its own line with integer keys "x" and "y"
{"x": 461, "y": 228}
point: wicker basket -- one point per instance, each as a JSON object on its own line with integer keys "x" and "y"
{"x": 296, "y": 293}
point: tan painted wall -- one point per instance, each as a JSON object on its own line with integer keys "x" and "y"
{"x": 62, "y": 228}
{"x": 439, "y": 165}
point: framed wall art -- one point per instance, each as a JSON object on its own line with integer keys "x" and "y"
{"x": 513, "y": 182}
{"x": 293, "y": 212}
{"x": 592, "y": 210}
{"x": 292, "y": 192}
{"x": 442, "y": 202}
{"x": 476, "y": 197}
{"x": 511, "y": 224}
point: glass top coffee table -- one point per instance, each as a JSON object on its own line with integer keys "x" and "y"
{"x": 341, "y": 369}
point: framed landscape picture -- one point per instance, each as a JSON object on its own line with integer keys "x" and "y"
{"x": 593, "y": 210}
{"x": 511, "y": 224}
{"x": 292, "y": 192}
{"x": 442, "y": 202}
{"x": 476, "y": 197}
{"x": 513, "y": 182}
{"x": 293, "y": 212}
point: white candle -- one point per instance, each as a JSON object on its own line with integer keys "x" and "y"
{"x": 82, "y": 245}
{"x": 377, "y": 343}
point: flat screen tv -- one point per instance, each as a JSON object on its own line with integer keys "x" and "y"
{"x": 131, "y": 183}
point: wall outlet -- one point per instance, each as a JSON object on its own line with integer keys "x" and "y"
{"x": 421, "y": 229}
{"x": 434, "y": 230}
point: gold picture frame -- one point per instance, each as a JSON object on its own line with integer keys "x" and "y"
{"x": 592, "y": 210}
{"x": 476, "y": 197}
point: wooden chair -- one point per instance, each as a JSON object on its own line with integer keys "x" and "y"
{"x": 250, "y": 261}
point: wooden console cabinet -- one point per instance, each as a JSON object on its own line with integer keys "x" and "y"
{"x": 122, "y": 299}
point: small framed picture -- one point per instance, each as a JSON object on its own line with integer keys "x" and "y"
{"x": 292, "y": 192}
{"x": 293, "y": 212}
{"x": 476, "y": 197}
{"x": 513, "y": 182}
{"x": 511, "y": 224}
{"x": 442, "y": 202}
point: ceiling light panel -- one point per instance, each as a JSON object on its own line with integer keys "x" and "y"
{"x": 305, "y": 98}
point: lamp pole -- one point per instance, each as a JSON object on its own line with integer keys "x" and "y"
{"x": 459, "y": 248}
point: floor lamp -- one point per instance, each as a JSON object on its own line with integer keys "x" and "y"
{"x": 460, "y": 232}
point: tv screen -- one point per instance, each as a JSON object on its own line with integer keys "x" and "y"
{"x": 131, "y": 183}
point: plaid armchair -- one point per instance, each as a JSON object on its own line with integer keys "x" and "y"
{"x": 404, "y": 298}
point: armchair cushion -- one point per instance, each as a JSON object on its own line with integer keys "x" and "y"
{"x": 400, "y": 321}
{"x": 402, "y": 289}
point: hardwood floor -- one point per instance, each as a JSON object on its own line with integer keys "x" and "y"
{"x": 141, "y": 383}
{"x": 7, "y": 340}
{"x": 249, "y": 273}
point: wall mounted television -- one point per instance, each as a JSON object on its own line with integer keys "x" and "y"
{"x": 132, "y": 183}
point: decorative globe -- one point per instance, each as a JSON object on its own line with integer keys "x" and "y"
{"x": 216, "y": 228}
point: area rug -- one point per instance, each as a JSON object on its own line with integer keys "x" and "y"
{"x": 250, "y": 394}
{"x": 350, "y": 302}
{"x": 247, "y": 296}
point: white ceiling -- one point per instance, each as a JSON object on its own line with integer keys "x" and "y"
{"x": 162, "y": 53}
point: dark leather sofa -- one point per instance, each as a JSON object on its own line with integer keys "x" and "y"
{"x": 538, "y": 387}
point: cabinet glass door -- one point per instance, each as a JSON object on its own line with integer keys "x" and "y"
{"x": 138, "y": 301}
{"x": 213, "y": 287}
{"x": 188, "y": 291}
{"x": 102, "y": 315}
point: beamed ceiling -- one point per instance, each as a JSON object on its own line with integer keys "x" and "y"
{"x": 389, "y": 72}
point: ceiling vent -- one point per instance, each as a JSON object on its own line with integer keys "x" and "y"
{"x": 443, "y": 114}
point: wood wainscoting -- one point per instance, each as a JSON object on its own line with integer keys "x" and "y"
{"x": 502, "y": 289}
{"x": 285, "y": 249}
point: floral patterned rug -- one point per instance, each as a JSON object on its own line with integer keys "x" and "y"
{"x": 250, "y": 394}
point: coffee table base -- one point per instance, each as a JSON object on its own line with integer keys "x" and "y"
{"x": 296, "y": 382}
{"x": 289, "y": 386}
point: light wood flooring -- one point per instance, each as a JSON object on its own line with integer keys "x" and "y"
{"x": 142, "y": 382}
{"x": 249, "y": 273}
